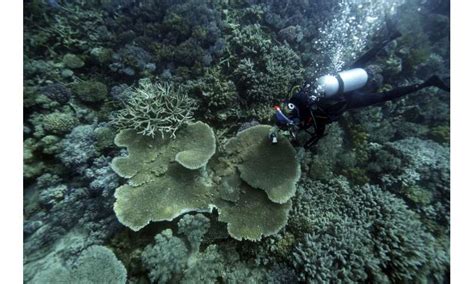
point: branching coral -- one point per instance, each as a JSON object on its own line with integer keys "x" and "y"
{"x": 269, "y": 75}
{"x": 170, "y": 258}
{"x": 155, "y": 109}
{"x": 166, "y": 257}
{"x": 368, "y": 230}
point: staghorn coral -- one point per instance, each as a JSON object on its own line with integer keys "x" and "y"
{"x": 155, "y": 109}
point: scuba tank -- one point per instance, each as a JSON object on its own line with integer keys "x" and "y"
{"x": 342, "y": 82}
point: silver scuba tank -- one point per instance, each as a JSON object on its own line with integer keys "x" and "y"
{"x": 342, "y": 82}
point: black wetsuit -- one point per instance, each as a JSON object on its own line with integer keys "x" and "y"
{"x": 317, "y": 114}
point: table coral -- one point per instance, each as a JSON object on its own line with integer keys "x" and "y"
{"x": 166, "y": 179}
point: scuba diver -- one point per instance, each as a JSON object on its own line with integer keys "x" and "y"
{"x": 323, "y": 101}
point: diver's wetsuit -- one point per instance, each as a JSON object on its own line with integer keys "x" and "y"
{"x": 317, "y": 114}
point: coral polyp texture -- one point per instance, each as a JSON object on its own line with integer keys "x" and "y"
{"x": 153, "y": 109}
{"x": 167, "y": 178}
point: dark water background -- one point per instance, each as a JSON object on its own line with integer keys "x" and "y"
{"x": 372, "y": 203}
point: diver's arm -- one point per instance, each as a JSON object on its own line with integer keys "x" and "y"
{"x": 285, "y": 123}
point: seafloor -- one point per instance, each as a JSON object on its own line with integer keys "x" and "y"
{"x": 146, "y": 158}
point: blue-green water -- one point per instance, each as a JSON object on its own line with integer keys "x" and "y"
{"x": 146, "y": 150}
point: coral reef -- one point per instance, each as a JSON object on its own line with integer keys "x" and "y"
{"x": 113, "y": 162}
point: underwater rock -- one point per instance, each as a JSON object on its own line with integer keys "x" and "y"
{"x": 102, "y": 55}
{"x": 30, "y": 227}
{"x": 67, "y": 73}
{"x": 131, "y": 60}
